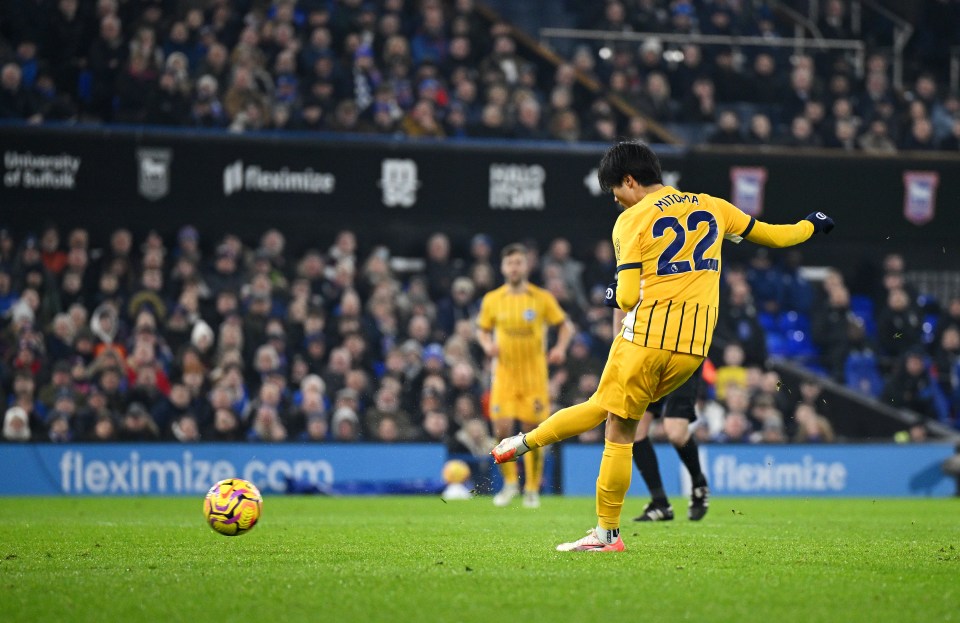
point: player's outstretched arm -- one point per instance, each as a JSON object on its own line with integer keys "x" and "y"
{"x": 779, "y": 236}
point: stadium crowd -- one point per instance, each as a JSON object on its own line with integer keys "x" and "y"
{"x": 437, "y": 69}
{"x": 192, "y": 339}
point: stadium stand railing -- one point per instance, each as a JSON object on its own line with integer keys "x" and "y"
{"x": 854, "y": 411}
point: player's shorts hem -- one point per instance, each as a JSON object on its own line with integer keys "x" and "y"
{"x": 616, "y": 410}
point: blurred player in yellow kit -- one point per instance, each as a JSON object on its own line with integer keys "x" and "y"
{"x": 512, "y": 330}
{"x": 667, "y": 246}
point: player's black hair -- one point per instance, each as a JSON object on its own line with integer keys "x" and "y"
{"x": 629, "y": 158}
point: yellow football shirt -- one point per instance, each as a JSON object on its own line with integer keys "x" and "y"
{"x": 519, "y": 324}
{"x": 674, "y": 238}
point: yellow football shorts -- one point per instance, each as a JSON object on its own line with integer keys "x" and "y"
{"x": 508, "y": 402}
{"x": 637, "y": 375}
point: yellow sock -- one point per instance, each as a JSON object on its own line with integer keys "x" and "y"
{"x": 533, "y": 470}
{"x": 509, "y": 471}
{"x": 566, "y": 423}
{"x": 613, "y": 482}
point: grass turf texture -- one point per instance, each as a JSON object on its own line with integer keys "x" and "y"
{"x": 420, "y": 559}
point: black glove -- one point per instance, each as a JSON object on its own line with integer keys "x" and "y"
{"x": 821, "y": 222}
{"x": 610, "y": 296}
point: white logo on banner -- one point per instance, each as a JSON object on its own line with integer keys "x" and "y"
{"x": 517, "y": 186}
{"x": 134, "y": 474}
{"x": 28, "y": 170}
{"x": 254, "y": 178}
{"x": 729, "y": 475}
{"x": 398, "y": 179}
{"x": 153, "y": 179}
{"x": 592, "y": 183}
{"x": 670, "y": 178}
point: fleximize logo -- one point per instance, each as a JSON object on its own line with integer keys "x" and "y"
{"x": 729, "y": 475}
{"x": 254, "y": 178}
{"x": 133, "y": 474}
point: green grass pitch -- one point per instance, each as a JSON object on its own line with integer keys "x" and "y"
{"x": 420, "y": 559}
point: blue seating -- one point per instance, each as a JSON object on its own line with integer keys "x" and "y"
{"x": 863, "y": 374}
{"x": 862, "y": 307}
{"x": 929, "y": 328}
{"x": 767, "y": 320}
{"x": 793, "y": 321}
{"x": 776, "y": 345}
{"x": 800, "y": 346}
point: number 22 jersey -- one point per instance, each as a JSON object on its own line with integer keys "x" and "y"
{"x": 674, "y": 239}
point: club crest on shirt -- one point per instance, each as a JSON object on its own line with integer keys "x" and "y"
{"x": 529, "y": 315}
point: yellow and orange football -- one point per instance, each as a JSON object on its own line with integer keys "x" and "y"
{"x": 232, "y": 506}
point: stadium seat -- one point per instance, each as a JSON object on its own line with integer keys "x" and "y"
{"x": 776, "y": 345}
{"x": 799, "y": 346}
{"x": 793, "y": 321}
{"x": 768, "y": 321}
{"x": 863, "y": 374}
{"x": 862, "y": 307}
{"x": 929, "y": 328}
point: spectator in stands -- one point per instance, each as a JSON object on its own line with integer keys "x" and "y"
{"x": 699, "y": 105}
{"x": 760, "y": 131}
{"x": 736, "y": 429}
{"x": 914, "y": 387}
{"x": 812, "y": 427}
{"x": 387, "y": 407}
{"x": 831, "y": 327}
{"x": 16, "y": 425}
{"x": 766, "y": 85}
{"x": 951, "y": 142}
{"x": 898, "y": 325}
{"x": 730, "y": 83}
{"x": 226, "y": 427}
{"x": 266, "y": 425}
{"x": 732, "y": 373}
{"x": 422, "y": 121}
{"x": 692, "y": 67}
{"x": 801, "y": 133}
{"x": 656, "y": 101}
{"x": 461, "y": 304}
{"x": 429, "y": 43}
{"x": 345, "y": 425}
{"x": 738, "y": 321}
{"x": 876, "y": 96}
{"x": 920, "y": 136}
{"x": 15, "y": 101}
{"x": 766, "y": 282}
{"x": 876, "y": 139}
{"x": 947, "y": 367}
{"x": 137, "y": 425}
{"x": 834, "y": 23}
{"x": 844, "y": 136}
{"x": 728, "y": 130}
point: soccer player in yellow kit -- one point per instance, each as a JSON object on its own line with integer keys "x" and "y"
{"x": 667, "y": 245}
{"x": 512, "y": 330}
